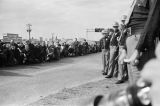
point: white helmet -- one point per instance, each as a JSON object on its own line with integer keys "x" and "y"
{"x": 124, "y": 17}
{"x": 116, "y": 24}
{"x": 105, "y": 31}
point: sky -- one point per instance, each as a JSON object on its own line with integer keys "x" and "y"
{"x": 61, "y": 18}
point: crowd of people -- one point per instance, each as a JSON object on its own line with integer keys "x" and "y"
{"x": 129, "y": 51}
{"x": 128, "y": 45}
{"x": 12, "y": 53}
{"x": 114, "y": 51}
{"x": 126, "y": 48}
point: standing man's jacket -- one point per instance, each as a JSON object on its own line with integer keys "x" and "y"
{"x": 105, "y": 42}
{"x": 151, "y": 25}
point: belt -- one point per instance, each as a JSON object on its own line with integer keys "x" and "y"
{"x": 113, "y": 46}
{"x": 121, "y": 46}
{"x": 137, "y": 33}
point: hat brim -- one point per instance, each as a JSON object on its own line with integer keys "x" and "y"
{"x": 115, "y": 26}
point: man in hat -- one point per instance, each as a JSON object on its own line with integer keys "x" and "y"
{"x": 105, "y": 50}
{"x": 85, "y": 44}
{"x": 113, "y": 51}
{"x": 76, "y": 44}
{"x": 122, "y": 67}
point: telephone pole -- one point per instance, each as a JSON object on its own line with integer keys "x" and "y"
{"x": 52, "y": 37}
{"x": 29, "y": 30}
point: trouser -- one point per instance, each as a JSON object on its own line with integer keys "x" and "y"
{"x": 133, "y": 71}
{"x": 106, "y": 58}
{"x": 122, "y": 67}
{"x": 103, "y": 59}
{"x": 3, "y": 59}
{"x": 113, "y": 61}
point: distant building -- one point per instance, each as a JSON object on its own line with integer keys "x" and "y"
{"x": 24, "y": 40}
{"x": 81, "y": 39}
{"x": 9, "y": 36}
{"x": 41, "y": 39}
{"x": 33, "y": 40}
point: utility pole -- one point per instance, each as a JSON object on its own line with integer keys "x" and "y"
{"x": 29, "y": 30}
{"x": 52, "y": 37}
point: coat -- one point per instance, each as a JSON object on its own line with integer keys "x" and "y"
{"x": 151, "y": 27}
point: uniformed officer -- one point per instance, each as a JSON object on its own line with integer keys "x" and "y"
{"x": 105, "y": 51}
{"x": 142, "y": 32}
{"x": 85, "y": 44}
{"x": 113, "y": 65}
{"x": 122, "y": 67}
{"x": 76, "y": 44}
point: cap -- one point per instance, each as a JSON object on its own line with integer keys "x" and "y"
{"x": 116, "y": 24}
{"x": 124, "y": 17}
{"x": 105, "y": 31}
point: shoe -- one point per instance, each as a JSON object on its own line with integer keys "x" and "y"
{"x": 126, "y": 79}
{"x": 104, "y": 73}
{"x": 119, "y": 82}
{"x": 108, "y": 76}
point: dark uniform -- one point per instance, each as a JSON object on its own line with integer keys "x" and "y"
{"x": 105, "y": 53}
{"x": 122, "y": 67}
{"x": 76, "y": 47}
{"x": 113, "y": 65}
{"x": 85, "y": 45}
{"x": 138, "y": 20}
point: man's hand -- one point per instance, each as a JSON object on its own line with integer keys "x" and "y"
{"x": 133, "y": 58}
{"x": 122, "y": 56}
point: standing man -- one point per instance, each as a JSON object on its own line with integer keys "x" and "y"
{"x": 105, "y": 41}
{"x": 122, "y": 67}
{"x": 76, "y": 45}
{"x": 143, "y": 21}
{"x": 85, "y": 44}
{"x": 113, "y": 51}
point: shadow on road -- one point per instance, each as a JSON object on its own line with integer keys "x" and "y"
{"x": 7, "y": 73}
{"x": 66, "y": 61}
{"x": 38, "y": 66}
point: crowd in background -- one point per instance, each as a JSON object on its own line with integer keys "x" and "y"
{"x": 12, "y": 53}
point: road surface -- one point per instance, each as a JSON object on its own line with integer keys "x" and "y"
{"x": 22, "y": 85}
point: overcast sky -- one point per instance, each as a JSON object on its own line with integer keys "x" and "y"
{"x": 65, "y": 18}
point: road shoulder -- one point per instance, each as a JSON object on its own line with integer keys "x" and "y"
{"x": 71, "y": 96}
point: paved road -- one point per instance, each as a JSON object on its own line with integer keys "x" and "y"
{"x": 22, "y": 85}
